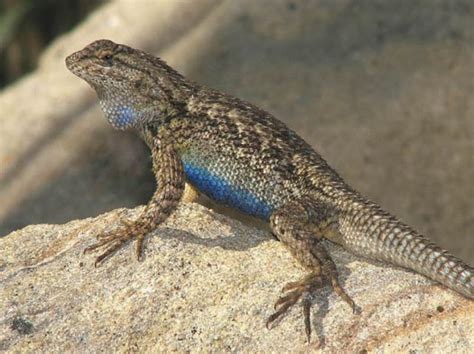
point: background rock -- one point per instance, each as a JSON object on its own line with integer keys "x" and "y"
{"x": 381, "y": 89}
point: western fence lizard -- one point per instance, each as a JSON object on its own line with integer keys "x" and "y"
{"x": 240, "y": 155}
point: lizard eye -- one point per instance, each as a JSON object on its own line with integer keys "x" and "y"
{"x": 106, "y": 58}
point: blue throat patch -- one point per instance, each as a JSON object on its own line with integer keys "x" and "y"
{"x": 221, "y": 191}
{"x": 120, "y": 116}
{"x": 124, "y": 117}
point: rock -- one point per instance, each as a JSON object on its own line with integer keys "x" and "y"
{"x": 207, "y": 282}
{"x": 382, "y": 91}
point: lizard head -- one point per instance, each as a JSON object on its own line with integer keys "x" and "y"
{"x": 133, "y": 87}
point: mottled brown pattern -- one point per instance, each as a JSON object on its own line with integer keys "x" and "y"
{"x": 247, "y": 148}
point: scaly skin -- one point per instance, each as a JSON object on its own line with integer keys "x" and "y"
{"x": 242, "y": 156}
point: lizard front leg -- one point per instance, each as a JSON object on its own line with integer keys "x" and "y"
{"x": 170, "y": 179}
{"x": 301, "y": 225}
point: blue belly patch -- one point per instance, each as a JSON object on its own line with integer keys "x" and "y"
{"x": 224, "y": 192}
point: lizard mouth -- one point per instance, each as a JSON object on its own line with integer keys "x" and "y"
{"x": 72, "y": 63}
{"x": 82, "y": 66}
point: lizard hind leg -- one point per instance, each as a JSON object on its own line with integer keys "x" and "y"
{"x": 301, "y": 225}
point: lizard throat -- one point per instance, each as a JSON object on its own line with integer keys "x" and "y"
{"x": 120, "y": 116}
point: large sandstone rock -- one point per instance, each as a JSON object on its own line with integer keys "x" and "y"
{"x": 207, "y": 282}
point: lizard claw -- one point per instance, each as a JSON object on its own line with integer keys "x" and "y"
{"x": 112, "y": 241}
{"x": 303, "y": 289}
{"x": 295, "y": 291}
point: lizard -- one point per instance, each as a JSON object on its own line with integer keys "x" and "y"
{"x": 241, "y": 156}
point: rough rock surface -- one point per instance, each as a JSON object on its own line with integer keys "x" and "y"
{"x": 207, "y": 282}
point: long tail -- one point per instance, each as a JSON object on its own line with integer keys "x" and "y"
{"x": 369, "y": 231}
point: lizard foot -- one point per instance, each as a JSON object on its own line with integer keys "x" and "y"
{"x": 293, "y": 292}
{"x": 112, "y": 241}
{"x": 303, "y": 289}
